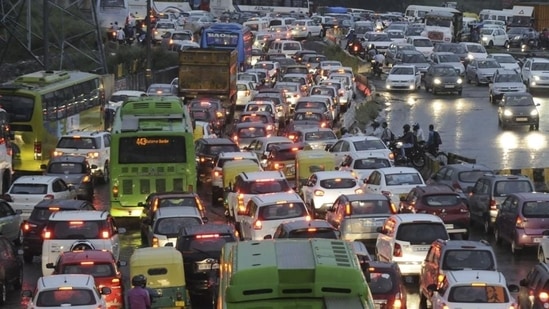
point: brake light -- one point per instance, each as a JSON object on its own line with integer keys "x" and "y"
{"x": 240, "y": 202}
{"x": 57, "y": 153}
{"x": 46, "y": 234}
{"x": 348, "y": 210}
{"x": 218, "y": 173}
{"x": 391, "y": 156}
{"x": 397, "y": 250}
{"x": 87, "y": 263}
{"x": 76, "y": 223}
{"x": 520, "y": 223}
{"x": 206, "y": 236}
{"x": 397, "y": 302}
{"x": 311, "y": 229}
{"x": 323, "y": 125}
{"x": 49, "y": 197}
{"x": 93, "y": 155}
{"x": 37, "y": 147}
{"x": 356, "y": 48}
{"x": 278, "y": 165}
{"x": 105, "y": 235}
{"x": 493, "y": 205}
{"x": 319, "y": 193}
{"x": 115, "y": 281}
{"x": 86, "y": 178}
{"x": 155, "y": 242}
{"x": 115, "y": 191}
{"x": 258, "y": 225}
{"x": 543, "y": 296}
{"x": 235, "y": 138}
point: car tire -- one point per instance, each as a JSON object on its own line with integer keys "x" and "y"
{"x": 541, "y": 256}
{"x": 3, "y": 293}
{"x": 515, "y": 250}
{"x": 106, "y": 174}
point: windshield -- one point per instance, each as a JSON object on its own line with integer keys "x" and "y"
{"x": 505, "y": 59}
{"x": 478, "y": 294}
{"x": 403, "y": 179}
{"x": 380, "y": 283}
{"x": 292, "y": 46}
{"x": 442, "y": 200}
{"x": 77, "y": 143}
{"x": 452, "y": 48}
{"x": 516, "y": 30}
{"x": 368, "y": 207}
{"x": 323, "y": 91}
{"x": 319, "y": 136}
{"x": 402, "y": 71}
{"x": 264, "y": 186}
{"x": 517, "y": 100}
{"x": 282, "y": 210}
{"x": 259, "y": 108}
{"x": 294, "y": 79}
{"x": 487, "y": 64}
{"x": 200, "y": 115}
{"x": 506, "y": 187}
{"x": 75, "y": 229}
{"x": 448, "y": 58}
{"x": 29, "y": 188}
{"x": 487, "y": 31}
{"x": 473, "y": 259}
{"x": 417, "y": 233}
{"x": 297, "y": 70}
{"x": 314, "y": 105}
{"x": 508, "y": 78}
{"x": 251, "y": 132}
{"x": 214, "y": 150}
{"x": 396, "y": 34}
{"x": 60, "y": 298}
{"x": 283, "y": 154}
{"x": 371, "y": 163}
{"x": 414, "y": 58}
{"x": 379, "y": 37}
{"x": 254, "y": 118}
{"x": 287, "y": 87}
{"x": 536, "y": 209}
{"x": 308, "y": 116}
{"x": 438, "y": 22}
{"x": 94, "y": 269}
{"x": 338, "y": 183}
{"x": 423, "y": 43}
{"x": 543, "y": 66}
{"x": 248, "y": 77}
{"x": 445, "y": 72}
{"x": 369, "y": 145}
{"x": 182, "y": 36}
{"x": 172, "y": 226}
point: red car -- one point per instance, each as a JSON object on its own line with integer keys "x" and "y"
{"x": 98, "y": 263}
{"x": 386, "y": 285}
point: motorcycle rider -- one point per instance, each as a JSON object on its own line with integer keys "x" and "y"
{"x": 138, "y": 296}
{"x": 351, "y": 36}
{"x": 378, "y": 60}
{"x": 418, "y": 132}
{"x": 408, "y": 140}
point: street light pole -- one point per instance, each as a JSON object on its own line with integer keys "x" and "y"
{"x": 148, "y": 41}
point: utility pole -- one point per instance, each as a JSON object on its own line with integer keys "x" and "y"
{"x": 46, "y": 38}
{"x": 148, "y": 41}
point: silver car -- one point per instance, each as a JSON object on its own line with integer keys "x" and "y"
{"x": 449, "y": 58}
{"x": 481, "y": 71}
{"x": 505, "y": 81}
{"x": 319, "y": 138}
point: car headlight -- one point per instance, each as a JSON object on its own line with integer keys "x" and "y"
{"x": 459, "y": 81}
{"x": 436, "y": 81}
{"x": 484, "y": 38}
{"x": 536, "y": 78}
{"x": 507, "y": 113}
{"x": 516, "y": 37}
{"x": 534, "y": 112}
{"x": 470, "y": 57}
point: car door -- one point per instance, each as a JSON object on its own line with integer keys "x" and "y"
{"x": 373, "y": 184}
{"x": 246, "y": 220}
{"x": 507, "y": 217}
{"x": 10, "y": 221}
{"x": 343, "y": 151}
{"x": 307, "y": 190}
{"x": 525, "y": 72}
{"x": 500, "y": 37}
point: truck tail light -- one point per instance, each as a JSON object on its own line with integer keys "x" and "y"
{"x": 258, "y": 225}
{"x": 397, "y": 250}
{"x": 115, "y": 191}
{"x": 37, "y": 147}
{"x": 240, "y": 202}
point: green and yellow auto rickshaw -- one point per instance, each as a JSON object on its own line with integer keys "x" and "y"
{"x": 311, "y": 161}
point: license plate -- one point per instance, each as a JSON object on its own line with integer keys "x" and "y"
{"x": 537, "y": 240}
{"x": 448, "y": 86}
{"x": 207, "y": 266}
{"x": 522, "y": 119}
{"x": 421, "y": 249}
{"x": 179, "y": 303}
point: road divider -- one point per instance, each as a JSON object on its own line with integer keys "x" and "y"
{"x": 454, "y": 158}
{"x": 540, "y": 176}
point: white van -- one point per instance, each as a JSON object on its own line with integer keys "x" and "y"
{"x": 417, "y": 12}
{"x": 255, "y": 26}
{"x": 503, "y": 16}
{"x": 287, "y": 47}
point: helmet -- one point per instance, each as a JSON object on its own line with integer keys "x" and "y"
{"x": 416, "y": 126}
{"x": 406, "y": 127}
{"x": 139, "y": 280}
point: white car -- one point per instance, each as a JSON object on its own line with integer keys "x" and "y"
{"x": 344, "y": 91}
{"x": 280, "y": 32}
{"x": 403, "y": 77}
{"x": 323, "y": 188}
{"x": 318, "y": 138}
{"x": 346, "y": 79}
{"x": 262, "y": 146}
{"x": 475, "y": 51}
{"x": 250, "y": 76}
{"x": 162, "y": 27}
{"x": 291, "y": 90}
{"x": 121, "y": 96}
{"x": 265, "y": 212}
{"x": 94, "y": 145}
{"x": 360, "y": 143}
{"x": 422, "y": 44}
{"x": 10, "y": 223}
{"x": 450, "y": 59}
{"x": 73, "y": 291}
{"x": 197, "y": 23}
{"x": 473, "y": 289}
{"x": 504, "y": 81}
{"x": 325, "y": 67}
{"x": 217, "y": 170}
{"x": 396, "y": 35}
{"x": 272, "y": 67}
{"x": 394, "y": 182}
{"x": 245, "y": 92}
{"x": 78, "y": 230}
{"x": 305, "y": 28}
{"x": 168, "y": 221}
{"x": 27, "y": 191}
{"x": 535, "y": 73}
{"x": 494, "y": 37}
{"x": 506, "y": 61}
{"x": 405, "y": 239}
{"x": 363, "y": 163}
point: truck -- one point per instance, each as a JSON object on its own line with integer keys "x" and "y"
{"x": 531, "y": 14}
{"x": 209, "y": 73}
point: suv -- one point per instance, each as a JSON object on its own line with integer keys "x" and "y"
{"x": 98, "y": 263}
{"x": 534, "y": 288}
{"x": 505, "y": 80}
{"x": 447, "y": 255}
{"x": 79, "y": 230}
{"x": 459, "y": 176}
{"x": 217, "y": 171}
{"x": 206, "y": 150}
{"x": 76, "y": 171}
{"x": 535, "y": 74}
{"x": 200, "y": 246}
{"x": 489, "y": 191}
{"x": 11, "y": 269}
{"x": 75, "y": 291}
{"x": 248, "y": 184}
{"x": 442, "y": 201}
{"x": 32, "y": 228}
{"x": 405, "y": 239}
{"x": 95, "y": 145}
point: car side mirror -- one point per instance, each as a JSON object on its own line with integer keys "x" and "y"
{"x": 105, "y": 291}
{"x": 121, "y": 263}
{"x": 43, "y": 166}
{"x": 50, "y": 266}
{"x": 268, "y": 236}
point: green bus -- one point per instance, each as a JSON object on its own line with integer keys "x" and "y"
{"x": 44, "y": 105}
{"x": 292, "y": 273}
{"x": 152, "y": 150}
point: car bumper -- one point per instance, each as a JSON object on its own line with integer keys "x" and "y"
{"x": 527, "y": 240}
{"x": 448, "y": 88}
{"x": 400, "y": 86}
{"x": 520, "y": 120}
{"x": 544, "y": 83}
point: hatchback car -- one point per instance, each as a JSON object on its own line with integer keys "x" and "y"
{"x": 304, "y": 229}
{"x": 346, "y": 145}
{"x": 363, "y": 163}
{"x": 244, "y": 133}
{"x": 403, "y": 77}
{"x": 521, "y": 220}
{"x": 12, "y": 269}
{"x": 481, "y": 71}
{"x": 505, "y": 81}
{"x": 309, "y": 119}
{"x": 33, "y": 226}
{"x": 27, "y": 191}
{"x": 518, "y": 109}
{"x": 459, "y": 176}
{"x": 440, "y": 200}
{"x": 394, "y": 182}
{"x": 167, "y": 222}
{"x": 494, "y": 37}
{"x": 98, "y": 263}
{"x": 386, "y": 285}
{"x": 75, "y": 171}
{"x": 454, "y": 48}
{"x": 443, "y": 78}
{"x": 475, "y": 51}
{"x": 161, "y": 90}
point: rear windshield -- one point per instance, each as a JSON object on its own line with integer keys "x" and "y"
{"x": 403, "y": 179}
{"x": 313, "y": 233}
{"x": 323, "y": 91}
{"x": 504, "y": 188}
{"x": 264, "y": 97}
{"x": 370, "y": 207}
{"x": 309, "y": 116}
{"x": 262, "y": 187}
{"x": 338, "y": 183}
{"x": 319, "y": 136}
{"x": 200, "y": 115}
{"x": 259, "y": 108}
{"x": 371, "y": 163}
{"x": 60, "y": 298}
{"x": 297, "y": 70}
{"x": 473, "y": 259}
{"x": 29, "y": 188}
{"x": 217, "y": 149}
{"x": 369, "y": 145}
{"x": 254, "y": 118}
{"x": 478, "y": 294}
{"x": 536, "y": 209}
{"x": 241, "y": 87}
{"x": 314, "y": 105}
{"x": 173, "y": 225}
{"x": 281, "y": 211}
{"x": 471, "y": 176}
{"x": 76, "y": 229}
{"x": 293, "y": 79}
{"x": 189, "y": 201}
{"x": 207, "y": 244}
{"x": 67, "y": 168}
{"x": 421, "y": 233}
{"x": 381, "y": 283}
{"x": 221, "y": 162}
{"x": 77, "y": 143}
{"x": 251, "y": 132}
{"x": 94, "y": 269}
{"x": 283, "y": 155}
{"x": 442, "y": 200}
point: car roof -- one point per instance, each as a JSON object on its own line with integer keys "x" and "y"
{"x": 366, "y": 197}
{"x": 61, "y": 204}
{"x": 397, "y": 170}
{"x": 437, "y": 189}
{"x": 471, "y": 276}
{"x": 308, "y": 130}
{"x": 35, "y": 179}
{"x": 359, "y": 138}
{"x": 74, "y": 280}
{"x": 464, "y": 244}
{"x": 536, "y": 59}
{"x": 537, "y": 196}
{"x": 207, "y": 228}
{"x": 83, "y": 133}
{"x": 71, "y": 257}
{"x": 81, "y": 215}
{"x": 404, "y": 66}
{"x": 181, "y": 211}
{"x": 272, "y": 198}
{"x": 416, "y": 217}
{"x": 130, "y": 93}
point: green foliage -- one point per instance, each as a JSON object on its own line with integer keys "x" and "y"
{"x": 133, "y": 59}
{"x": 366, "y": 112}
{"x": 334, "y": 52}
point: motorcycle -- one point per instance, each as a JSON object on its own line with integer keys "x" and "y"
{"x": 355, "y": 48}
{"x": 414, "y": 155}
{"x": 376, "y": 68}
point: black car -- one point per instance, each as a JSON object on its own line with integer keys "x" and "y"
{"x": 75, "y": 171}
{"x": 206, "y": 150}
{"x": 33, "y": 226}
{"x": 11, "y": 269}
{"x": 442, "y": 78}
{"x": 518, "y": 109}
{"x": 201, "y": 247}
{"x": 305, "y": 229}
{"x": 534, "y": 288}
{"x": 519, "y": 36}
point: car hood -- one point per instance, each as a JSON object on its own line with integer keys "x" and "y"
{"x": 521, "y": 110}
{"x": 400, "y": 77}
{"x": 510, "y": 85}
{"x": 447, "y": 79}
{"x": 487, "y": 71}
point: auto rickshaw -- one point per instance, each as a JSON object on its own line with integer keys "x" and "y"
{"x": 231, "y": 169}
{"x": 163, "y": 267}
{"x": 308, "y": 162}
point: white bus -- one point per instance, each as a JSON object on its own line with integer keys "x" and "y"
{"x": 504, "y": 16}
{"x": 274, "y": 6}
{"x": 417, "y": 12}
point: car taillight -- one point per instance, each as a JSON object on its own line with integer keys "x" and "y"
{"x": 355, "y": 48}
{"x": 258, "y": 225}
{"x": 278, "y": 165}
{"x": 86, "y": 178}
{"x": 397, "y": 302}
{"x": 57, "y": 153}
{"x": 397, "y": 251}
{"x": 105, "y": 235}
{"x": 46, "y": 234}
{"x": 493, "y": 205}
{"x": 93, "y": 155}
{"x": 543, "y": 296}
{"x": 235, "y": 138}
{"x": 155, "y": 242}
{"x": 49, "y": 197}
{"x": 218, "y": 173}
{"x": 115, "y": 191}
{"x": 323, "y": 125}
{"x": 319, "y": 193}
{"x": 28, "y": 226}
{"x": 520, "y": 223}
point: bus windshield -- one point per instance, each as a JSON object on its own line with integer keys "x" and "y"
{"x": 19, "y": 108}
{"x": 152, "y": 149}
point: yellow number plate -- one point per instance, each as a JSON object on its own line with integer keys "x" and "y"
{"x": 180, "y": 303}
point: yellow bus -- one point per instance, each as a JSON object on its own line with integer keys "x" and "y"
{"x": 44, "y": 105}
{"x": 292, "y": 273}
